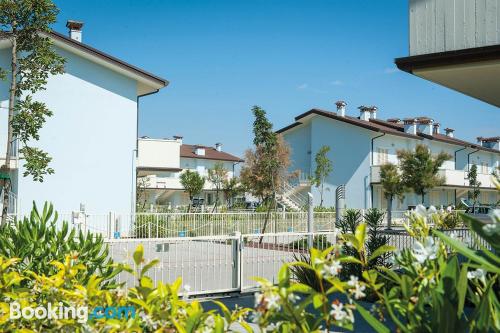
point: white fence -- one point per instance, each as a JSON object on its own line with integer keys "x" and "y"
{"x": 168, "y": 225}
{"x": 215, "y": 264}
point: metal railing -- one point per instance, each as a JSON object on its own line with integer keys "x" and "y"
{"x": 216, "y": 264}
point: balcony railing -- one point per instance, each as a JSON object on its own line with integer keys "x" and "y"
{"x": 452, "y": 177}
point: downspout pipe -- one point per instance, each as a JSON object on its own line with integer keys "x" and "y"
{"x": 372, "y": 159}
{"x": 468, "y": 158}
{"x": 135, "y": 152}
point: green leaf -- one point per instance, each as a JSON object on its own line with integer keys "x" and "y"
{"x": 374, "y": 322}
{"x": 318, "y": 300}
{"x": 464, "y": 250}
{"x": 149, "y": 265}
{"x": 284, "y": 275}
{"x": 360, "y": 234}
{"x": 462, "y": 288}
{"x": 139, "y": 254}
{"x": 381, "y": 251}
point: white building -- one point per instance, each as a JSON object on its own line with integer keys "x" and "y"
{"x": 92, "y": 135}
{"x": 359, "y": 145}
{"x": 456, "y": 44}
{"x": 161, "y": 162}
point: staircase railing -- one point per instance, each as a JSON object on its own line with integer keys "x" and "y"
{"x": 290, "y": 192}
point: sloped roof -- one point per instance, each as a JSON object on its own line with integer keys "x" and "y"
{"x": 188, "y": 151}
{"x": 378, "y": 125}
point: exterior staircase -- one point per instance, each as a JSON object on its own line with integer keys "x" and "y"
{"x": 292, "y": 196}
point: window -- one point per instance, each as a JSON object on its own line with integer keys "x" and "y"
{"x": 484, "y": 168}
{"x": 382, "y": 156}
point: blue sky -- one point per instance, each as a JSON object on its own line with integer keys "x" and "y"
{"x": 222, "y": 57}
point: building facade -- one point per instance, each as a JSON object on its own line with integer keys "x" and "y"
{"x": 360, "y": 145}
{"x": 456, "y": 43}
{"x": 92, "y": 135}
{"x": 160, "y": 164}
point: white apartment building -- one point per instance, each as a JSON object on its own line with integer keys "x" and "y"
{"x": 160, "y": 163}
{"x": 361, "y": 144}
{"x": 92, "y": 135}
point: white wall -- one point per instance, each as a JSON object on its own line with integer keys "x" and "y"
{"x": 91, "y": 138}
{"x": 444, "y": 25}
{"x": 156, "y": 153}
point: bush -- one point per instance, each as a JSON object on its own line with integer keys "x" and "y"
{"x": 36, "y": 241}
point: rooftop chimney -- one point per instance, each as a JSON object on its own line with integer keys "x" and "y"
{"x": 479, "y": 140}
{"x": 493, "y": 142}
{"x": 341, "y": 108}
{"x": 218, "y": 146}
{"x": 364, "y": 112}
{"x": 425, "y": 125}
{"x": 178, "y": 138}
{"x": 75, "y": 30}
{"x": 449, "y": 132}
{"x": 373, "y": 112}
{"x": 435, "y": 128}
{"x": 410, "y": 125}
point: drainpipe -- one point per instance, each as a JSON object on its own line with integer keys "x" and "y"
{"x": 135, "y": 152}
{"x": 468, "y": 159}
{"x": 371, "y": 164}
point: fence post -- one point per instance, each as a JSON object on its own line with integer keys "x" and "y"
{"x": 236, "y": 272}
{"x": 339, "y": 200}
{"x": 310, "y": 220}
{"x": 110, "y": 225}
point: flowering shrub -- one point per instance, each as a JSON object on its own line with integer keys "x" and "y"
{"x": 428, "y": 290}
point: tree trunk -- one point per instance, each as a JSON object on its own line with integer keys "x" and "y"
{"x": 8, "y": 151}
{"x": 321, "y": 196}
{"x": 389, "y": 212}
{"x": 422, "y": 196}
{"x": 216, "y": 200}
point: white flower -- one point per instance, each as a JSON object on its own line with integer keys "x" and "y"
{"x": 426, "y": 251}
{"x": 337, "y": 311}
{"x": 358, "y": 291}
{"x": 331, "y": 269}
{"x": 187, "y": 288}
{"x": 425, "y": 213}
{"x": 210, "y": 321}
{"x": 477, "y": 274}
{"x": 448, "y": 209}
{"x": 273, "y": 301}
{"x": 353, "y": 281}
{"x": 292, "y": 298}
{"x": 350, "y": 316}
{"x": 318, "y": 261}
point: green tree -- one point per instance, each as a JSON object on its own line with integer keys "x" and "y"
{"x": 393, "y": 186}
{"x": 475, "y": 184}
{"x": 25, "y": 24}
{"x": 266, "y": 165}
{"x": 323, "y": 169}
{"x": 231, "y": 187}
{"x": 420, "y": 169}
{"x": 192, "y": 183}
{"x": 217, "y": 175}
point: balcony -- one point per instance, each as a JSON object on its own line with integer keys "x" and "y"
{"x": 456, "y": 178}
{"x": 170, "y": 183}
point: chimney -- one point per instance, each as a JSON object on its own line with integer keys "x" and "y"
{"x": 449, "y": 132}
{"x": 425, "y": 125}
{"x": 479, "y": 140}
{"x": 410, "y": 125}
{"x": 218, "y": 146}
{"x": 364, "y": 112}
{"x": 341, "y": 108}
{"x": 178, "y": 138}
{"x": 492, "y": 143}
{"x": 373, "y": 112}
{"x": 75, "y": 30}
{"x": 435, "y": 129}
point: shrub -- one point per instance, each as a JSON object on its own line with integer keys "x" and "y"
{"x": 36, "y": 241}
